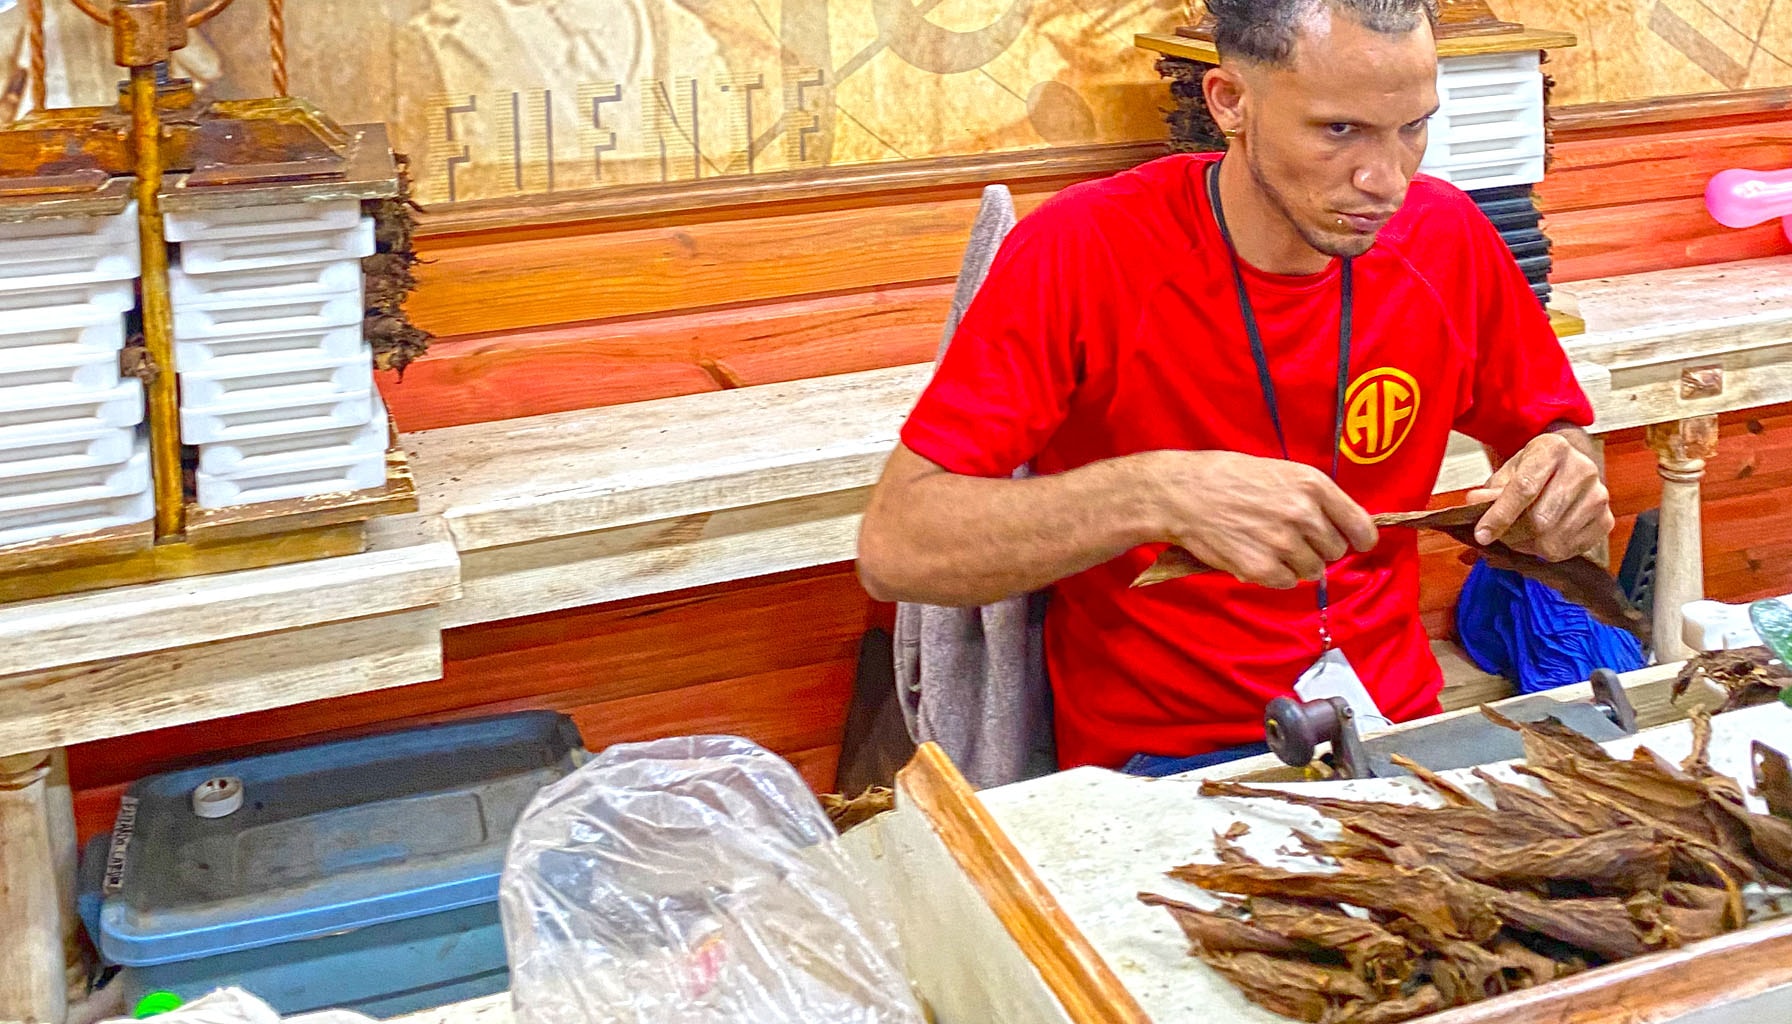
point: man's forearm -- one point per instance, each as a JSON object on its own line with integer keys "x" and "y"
{"x": 934, "y": 537}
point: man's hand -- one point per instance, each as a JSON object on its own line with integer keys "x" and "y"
{"x": 1265, "y": 521}
{"x": 1548, "y": 501}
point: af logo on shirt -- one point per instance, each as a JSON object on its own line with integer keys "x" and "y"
{"x": 1379, "y": 411}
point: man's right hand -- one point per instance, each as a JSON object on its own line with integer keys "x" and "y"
{"x": 1265, "y": 521}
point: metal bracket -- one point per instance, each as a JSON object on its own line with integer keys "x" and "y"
{"x": 1295, "y": 730}
{"x": 1610, "y": 698}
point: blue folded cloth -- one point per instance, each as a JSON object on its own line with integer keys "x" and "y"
{"x": 1528, "y": 633}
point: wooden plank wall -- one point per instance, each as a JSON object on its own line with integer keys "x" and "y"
{"x": 1626, "y": 185}
{"x": 597, "y": 303}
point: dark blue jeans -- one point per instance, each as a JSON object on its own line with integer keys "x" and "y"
{"x": 1152, "y": 766}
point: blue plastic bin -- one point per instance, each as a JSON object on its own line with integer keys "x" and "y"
{"x": 361, "y": 874}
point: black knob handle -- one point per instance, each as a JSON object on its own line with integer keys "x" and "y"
{"x": 1295, "y": 729}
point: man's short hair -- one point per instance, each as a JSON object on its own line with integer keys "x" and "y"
{"x": 1263, "y": 30}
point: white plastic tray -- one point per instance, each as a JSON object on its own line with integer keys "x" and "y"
{"x": 221, "y": 318}
{"x": 94, "y": 446}
{"x": 1506, "y": 173}
{"x": 108, "y": 296}
{"x": 75, "y": 519}
{"x": 84, "y": 326}
{"x": 118, "y": 227}
{"x": 76, "y": 368}
{"x": 252, "y": 422}
{"x": 262, "y": 251}
{"x": 53, "y": 252}
{"x": 272, "y": 454}
{"x": 296, "y": 478}
{"x": 231, "y": 351}
{"x": 262, "y": 221}
{"x": 1488, "y": 131}
{"x": 34, "y": 416}
{"x": 71, "y": 486}
{"x": 270, "y": 283}
{"x": 276, "y": 380}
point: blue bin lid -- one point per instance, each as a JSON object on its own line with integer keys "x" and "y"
{"x": 328, "y": 838}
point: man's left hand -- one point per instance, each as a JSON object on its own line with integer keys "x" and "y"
{"x": 1548, "y": 501}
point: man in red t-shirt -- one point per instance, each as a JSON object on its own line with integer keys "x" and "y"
{"x": 1164, "y": 348}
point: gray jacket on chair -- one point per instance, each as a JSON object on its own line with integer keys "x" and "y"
{"x": 973, "y": 679}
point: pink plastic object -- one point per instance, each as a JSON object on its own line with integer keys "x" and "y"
{"x": 1742, "y": 198}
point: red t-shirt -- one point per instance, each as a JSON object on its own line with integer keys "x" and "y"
{"x": 1109, "y": 325}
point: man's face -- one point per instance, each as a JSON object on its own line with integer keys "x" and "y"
{"x": 1335, "y": 136}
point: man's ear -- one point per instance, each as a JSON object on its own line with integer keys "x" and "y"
{"x": 1224, "y": 88}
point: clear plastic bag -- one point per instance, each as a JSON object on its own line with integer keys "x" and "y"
{"x": 692, "y": 881}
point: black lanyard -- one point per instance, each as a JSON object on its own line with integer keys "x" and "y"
{"x": 1261, "y": 357}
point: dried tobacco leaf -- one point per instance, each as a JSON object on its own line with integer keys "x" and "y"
{"x": 1429, "y": 896}
{"x": 1452, "y": 795}
{"x": 1773, "y": 779}
{"x": 1580, "y": 581}
{"x": 1621, "y": 859}
{"x": 1747, "y": 675}
{"x": 1548, "y": 742}
{"x": 1581, "y": 808}
{"x": 846, "y": 813}
{"x": 1377, "y": 955}
{"x": 1511, "y": 798}
{"x": 1347, "y": 847}
{"x": 1478, "y": 820}
{"x": 1222, "y": 932}
{"x": 1697, "y": 911}
{"x": 1466, "y": 902}
{"x": 1291, "y": 987}
{"x": 1706, "y": 857}
{"x": 1618, "y": 860}
{"x": 1605, "y": 926}
{"x": 1770, "y": 837}
{"x": 1525, "y": 967}
{"x": 1467, "y": 973}
{"x": 1424, "y": 1000}
{"x": 1174, "y": 562}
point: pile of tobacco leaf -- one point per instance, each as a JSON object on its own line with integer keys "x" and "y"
{"x": 1416, "y": 909}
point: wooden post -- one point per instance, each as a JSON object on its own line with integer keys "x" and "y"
{"x": 33, "y": 985}
{"x": 1681, "y": 449}
{"x": 65, "y": 853}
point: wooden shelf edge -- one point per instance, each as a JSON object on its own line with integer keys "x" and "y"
{"x": 1171, "y": 45}
{"x": 734, "y": 196}
{"x": 184, "y": 559}
{"x": 1081, "y": 980}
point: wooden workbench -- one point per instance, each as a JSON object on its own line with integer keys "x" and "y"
{"x": 1017, "y": 905}
{"x": 560, "y": 511}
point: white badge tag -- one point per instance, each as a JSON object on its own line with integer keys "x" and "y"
{"x": 1332, "y": 676}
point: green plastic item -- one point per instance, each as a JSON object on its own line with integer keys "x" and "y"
{"x": 156, "y": 1002}
{"x": 1772, "y": 619}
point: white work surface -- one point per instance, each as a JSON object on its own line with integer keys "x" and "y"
{"x": 1097, "y": 839}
